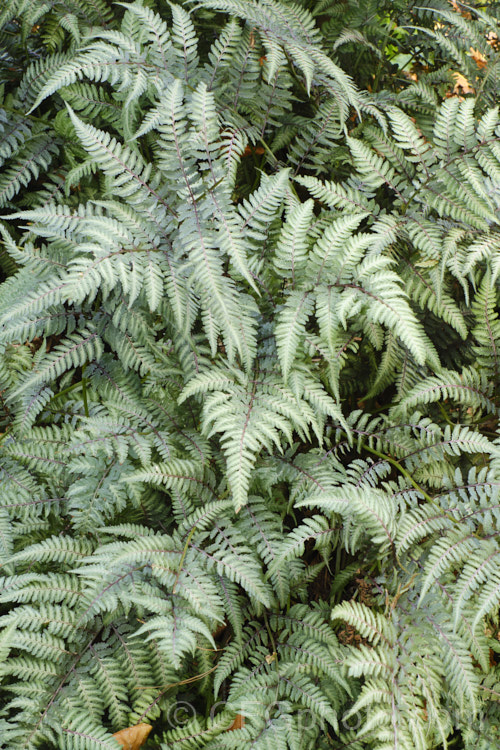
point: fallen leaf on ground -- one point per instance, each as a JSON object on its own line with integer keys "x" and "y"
{"x": 410, "y": 75}
{"x": 458, "y": 9}
{"x": 492, "y": 40}
{"x": 238, "y": 723}
{"x": 461, "y": 82}
{"x": 478, "y": 58}
{"x": 133, "y": 737}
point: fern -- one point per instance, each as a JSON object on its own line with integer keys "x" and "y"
{"x": 249, "y": 374}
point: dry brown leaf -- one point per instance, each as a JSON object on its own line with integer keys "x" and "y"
{"x": 238, "y": 723}
{"x": 458, "y": 9}
{"x": 492, "y": 40}
{"x": 133, "y": 737}
{"x": 462, "y": 85}
{"x": 478, "y": 58}
{"x": 410, "y": 75}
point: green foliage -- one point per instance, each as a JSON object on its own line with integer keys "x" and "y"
{"x": 249, "y": 344}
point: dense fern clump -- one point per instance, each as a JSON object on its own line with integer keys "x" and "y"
{"x": 249, "y": 374}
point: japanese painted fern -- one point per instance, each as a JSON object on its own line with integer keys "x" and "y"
{"x": 249, "y": 376}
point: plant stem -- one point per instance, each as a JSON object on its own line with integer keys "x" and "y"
{"x": 408, "y": 476}
{"x": 84, "y": 392}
